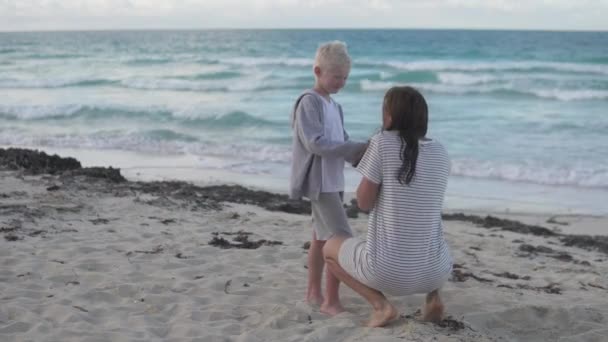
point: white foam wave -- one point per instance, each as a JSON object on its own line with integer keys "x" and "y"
{"x": 571, "y": 95}
{"x": 473, "y": 78}
{"x": 469, "y": 86}
{"x": 171, "y": 84}
{"x": 492, "y": 66}
{"x": 29, "y": 112}
{"x": 573, "y": 176}
{"x": 265, "y": 61}
{"x": 48, "y": 82}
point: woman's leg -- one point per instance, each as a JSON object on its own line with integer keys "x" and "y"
{"x": 383, "y": 310}
{"x": 433, "y": 307}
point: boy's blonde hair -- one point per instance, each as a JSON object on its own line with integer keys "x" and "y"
{"x": 332, "y": 54}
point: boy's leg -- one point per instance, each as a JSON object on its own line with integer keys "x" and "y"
{"x": 315, "y": 271}
{"x": 383, "y": 310}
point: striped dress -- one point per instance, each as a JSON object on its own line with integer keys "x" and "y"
{"x": 405, "y": 251}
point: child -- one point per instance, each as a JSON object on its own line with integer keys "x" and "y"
{"x": 404, "y": 180}
{"x": 320, "y": 147}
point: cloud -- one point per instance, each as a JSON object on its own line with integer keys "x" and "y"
{"x": 101, "y": 14}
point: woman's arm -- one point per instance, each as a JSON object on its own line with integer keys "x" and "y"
{"x": 367, "y": 192}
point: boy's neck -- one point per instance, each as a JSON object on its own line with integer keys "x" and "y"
{"x": 321, "y": 92}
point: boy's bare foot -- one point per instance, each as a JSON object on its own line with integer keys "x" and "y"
{"x": 314, "y": 299}
{"x": 331, "y": 310}
{"x": 383, "y": 316}
{"x": 433, "y": 309}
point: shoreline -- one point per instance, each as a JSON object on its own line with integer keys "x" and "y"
{"x": 464, "y": 194}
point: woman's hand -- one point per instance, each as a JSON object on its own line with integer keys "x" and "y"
{"x": 367, "y": 192}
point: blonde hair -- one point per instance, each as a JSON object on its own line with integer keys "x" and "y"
{"x": 331, "y": 55}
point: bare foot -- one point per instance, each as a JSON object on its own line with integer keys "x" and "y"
{"x": 331, "y": 310}
{"x": 382, "y": 317}
{"x": 433, "y": 308}
{"x": 314, "y": 299}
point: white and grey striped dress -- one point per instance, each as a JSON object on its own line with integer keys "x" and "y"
{"x": 405, "y": 251}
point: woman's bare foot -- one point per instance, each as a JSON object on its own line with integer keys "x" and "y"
{"x": 433, "y": 308}
{"x": 382, "y": 316}
{"x": 331, "y": 310}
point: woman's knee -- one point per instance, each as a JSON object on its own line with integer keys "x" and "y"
{"x": 332, "y": 248}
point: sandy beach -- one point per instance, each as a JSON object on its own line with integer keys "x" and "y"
{"x": 87, "y": 255}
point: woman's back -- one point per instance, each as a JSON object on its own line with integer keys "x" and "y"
{"x": 406, "y": 249}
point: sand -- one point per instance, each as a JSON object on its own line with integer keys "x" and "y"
{"x": 84, "y": 258}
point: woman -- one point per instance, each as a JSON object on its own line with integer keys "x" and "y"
{"x": 404, "y": 181}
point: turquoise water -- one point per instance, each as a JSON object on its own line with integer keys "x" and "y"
{"x": 514, "y": 108}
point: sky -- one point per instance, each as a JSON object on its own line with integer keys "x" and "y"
{"x": 43, "y": 15}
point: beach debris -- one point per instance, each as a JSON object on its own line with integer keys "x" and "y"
{"x": 306, "y": 245}
{"x": 181, "y": 256}
{"x": 99, "y": 221}
{"x": 227, "y": 285}
{"x": 509, "y": 275}
{"x": 80, "y": 308}
{"x": 167, "y": 221}
{"x": 553, "y": 220}
{"x": 460, "y": 276}
{"x": 11, "y": 237}
{"x": 53, "y": 188}
{"x": 587, "y": 242}
{"x": 447, "y": 322}
{"x": 599, "y": 243}
{"x": 552, "y": 288}
{"x": 158, "y": 249}
{"x": 549, "y": 252}
{"x": 242, "y": 239}
{"x": 451, "y": 324}
{"x": 503, "y": 224}
{"x": 597, "y": 286}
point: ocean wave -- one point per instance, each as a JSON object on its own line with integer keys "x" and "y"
{"x": 112, "y": 113}
{"x": 573, "y": 176}
{"x": 150, "y": 142}
{"x": 268, "y": 61}
{"x": 515, "y": 66}
{"x": 172, "y": 84}
{"x": 216, "y": 75}
{"x": 468, "y": 86}
{"x": 55, "y": 83}
{"x": 54, "y": 56}
{"x": 148, "y": 61}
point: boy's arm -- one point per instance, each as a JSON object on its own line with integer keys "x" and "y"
{"x": 309, "y": 128}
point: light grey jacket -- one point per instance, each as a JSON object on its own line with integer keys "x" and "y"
{"x": 310, "y": 145}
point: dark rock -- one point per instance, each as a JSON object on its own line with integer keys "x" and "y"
{"x": 35, "y": 162}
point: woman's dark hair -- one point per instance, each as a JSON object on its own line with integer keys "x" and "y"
{"x": 409, "y": 116}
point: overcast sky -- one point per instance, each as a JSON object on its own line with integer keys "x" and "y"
{"x": 25, "y": 15}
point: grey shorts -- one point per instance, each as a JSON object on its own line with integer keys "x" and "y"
{"x": 329, "y": 217}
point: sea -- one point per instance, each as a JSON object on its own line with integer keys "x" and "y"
{"x": 523, "y": 114}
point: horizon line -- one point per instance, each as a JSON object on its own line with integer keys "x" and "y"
{"x": 311, "y": 29}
